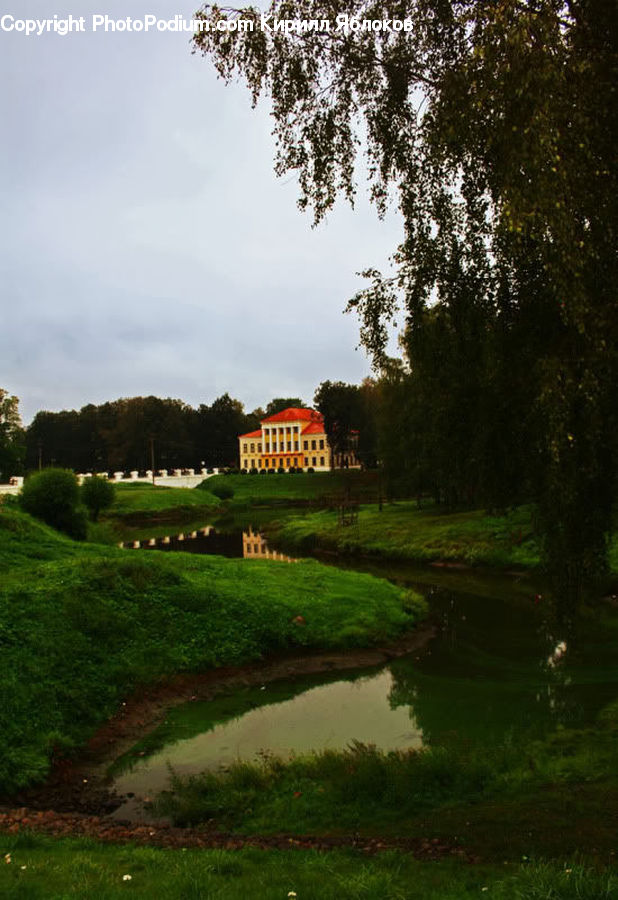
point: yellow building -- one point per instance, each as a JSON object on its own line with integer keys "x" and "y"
{"x": 291, "y": 438}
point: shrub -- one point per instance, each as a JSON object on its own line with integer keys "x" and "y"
{"x": 292, "y": 470}
{"x": 263, "y": 471}
{"x": 311, "y": 469}
{"x": 53, "y": 496}
{"x": 243, "y": 471}
{"x": 253, "y": 471}
{"x": 97, "y": 494}
{"x": 281, "y": 471}
{"x": 223, "y": 492}
{"x": 270, "y": 472}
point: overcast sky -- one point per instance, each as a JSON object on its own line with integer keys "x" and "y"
{"x": 146, "y": 246}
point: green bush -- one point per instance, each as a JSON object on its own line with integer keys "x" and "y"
{"x": 52, "y": 495}
{"x": 223, "y": 492}
{"x": 97, "y": 494}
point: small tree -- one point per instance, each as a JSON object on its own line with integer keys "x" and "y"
{"x": 97, "y": 494}
{"x": 53, "y": 496}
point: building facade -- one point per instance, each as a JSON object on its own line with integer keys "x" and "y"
{"x": 292, "y": 438}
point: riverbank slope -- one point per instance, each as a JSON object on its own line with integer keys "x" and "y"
{"x": 82, "y": 625}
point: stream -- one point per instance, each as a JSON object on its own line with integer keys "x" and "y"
{"x": 496, "y": 671}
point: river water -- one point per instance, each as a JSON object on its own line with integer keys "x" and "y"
{"x": 498, "y": 670}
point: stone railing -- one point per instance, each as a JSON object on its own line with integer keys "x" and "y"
{"x": 188, "y": 478}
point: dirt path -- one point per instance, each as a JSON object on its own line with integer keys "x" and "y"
{"x": 77, "y": 825}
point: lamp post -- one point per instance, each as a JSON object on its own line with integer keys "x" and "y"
{"x": 152, "y": 458}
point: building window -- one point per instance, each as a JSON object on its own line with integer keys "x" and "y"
{"x": 313, "y": 445}
{"x": 295, "y": 461}
{"x": 253, "y": 448}
{"x": 287, "y": 462}
{"x": 306, "y": 460}
{"x": 296, "y": 447}
{"x": 305, "y": 445}
{"x": 260, "y": 447}
{"x": 321, "y": 445}
{"x": 289, "y": 446}
{"x": 313, "y": 462}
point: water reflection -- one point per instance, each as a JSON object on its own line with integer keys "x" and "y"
{"x": 255, "y": 546}
{"x": 247, "y": 544}
{"x": 286, "y": 719}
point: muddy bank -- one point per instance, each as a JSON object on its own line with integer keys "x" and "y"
{"x": 78, "y": 785}
{"x": 73, "y": 825}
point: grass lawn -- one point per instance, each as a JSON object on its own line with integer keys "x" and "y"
{"x": 315, "y": 487}
{"x": 81, "y": 625}
{"x": 147, "y": 500}
{"x": 543, "y": 798}
{"x": 49, "y": 869}
{"x": 402, "y": 531}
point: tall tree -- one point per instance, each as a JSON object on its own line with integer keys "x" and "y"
{"x": 495, "y": 125}
{"x": 281, "y": 403}
{"x": 12, "y": 444}
{"x": 342, "y": 407}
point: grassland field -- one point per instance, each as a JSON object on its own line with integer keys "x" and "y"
{"x": 81, "y": 625}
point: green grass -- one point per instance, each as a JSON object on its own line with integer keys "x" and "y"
{"x": 88, "y": 624}
{"x": 542, "y": 797}
{"x": 147, "y": 500}
{"x": 26, "y": 541}
{"x": 402, "y": 531}
{"x": 78, "y": 868}
{"x": 316, "y": 487}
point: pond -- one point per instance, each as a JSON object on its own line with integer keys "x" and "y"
{"x": 496, "y": 670}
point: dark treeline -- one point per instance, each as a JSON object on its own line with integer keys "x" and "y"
{"x": 119, "y": 435}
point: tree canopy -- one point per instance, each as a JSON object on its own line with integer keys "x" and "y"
{"x": 493, "y": 127}
{"x": 11, "y": 436}
{"x": 280, "y": 403}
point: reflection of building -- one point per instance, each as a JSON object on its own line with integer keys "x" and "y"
{"x": 292, "y": 438}
{"x": 255, "y": 547}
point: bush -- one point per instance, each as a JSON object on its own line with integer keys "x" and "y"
{"x": 53, "y": 496}
{"x": 253, "y": 471}
{"x": 263, "y": 471}
{"x": 310, "y": 469}
{"x": 291, "y": 471}
{"x": 97, "y": 494}
{"x": 223, "y": 492}
{"x": 270, "y": 472}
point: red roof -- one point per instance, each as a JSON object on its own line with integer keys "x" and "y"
{"x": 313, "y": 428}
{"x": 294, "y": 414}
{"x": 252, "y": 434}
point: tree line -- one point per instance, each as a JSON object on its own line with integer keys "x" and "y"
{"x": 129, "y": 434}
